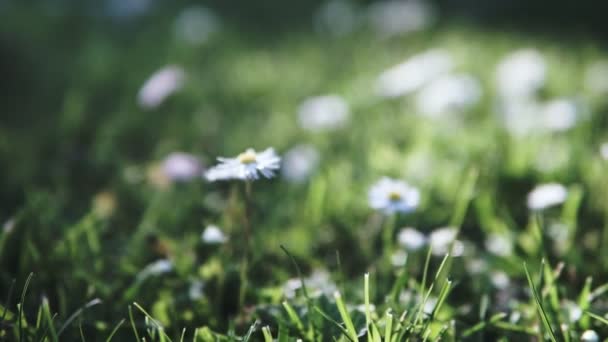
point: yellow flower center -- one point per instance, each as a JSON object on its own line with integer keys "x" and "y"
{"x": 247, "y": 157}
{"x": 394, "y": 196}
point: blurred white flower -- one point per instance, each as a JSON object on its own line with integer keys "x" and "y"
{"x": 596, "y": 77}
{"x": 499, "y": 244}
{"x": 476, "y": 265}
{"x": 547, "y": 195}
{"x": 604, "y": 151}
{"x": 590, "y": 336}
{"x": 393, "y": 196}
{"x": 155, "y": 268}
{"x": 441, "y": 239}
{"x": 194, "y": 25}
{"x": 8, "y": 226}
{"x": 213, "y": 235}
{"x": 299, "y": 163}
{"x": 413, "y": 73}
{"x": 429, "y": 305}
{"x": 398, "y": 258}
{"x": 552, "y": 156}
{"x": 321, "y": 113}
{"x": 336, "y": 17}
{"x": 179, "y": 166}
{"x": 572, "y": 311}
{"x": 499, "y": 279}
{"x": 411, "y": 239}
{"x": 560, "y": 234}
{"x": 317, "y": 284}
{"x": 160, "y": 86}
{"x": 521, "y": 74}
{"x": 195, "y": 291}
{"x": 521, "y": 116}
{"x": 363, "y": 308}
{"x": 246, "y": 166}
{"x": 398, "y": 17}
{"x": 559, "y": 115}
{"x": 447, "y": 94}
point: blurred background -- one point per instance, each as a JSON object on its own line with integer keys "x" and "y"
{"x": 110, "y": 111}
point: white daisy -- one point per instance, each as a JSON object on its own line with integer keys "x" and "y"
{"x": 8, "y": 226}
{"x": 596, "y": 77}
{"x": 604, "y": 151}
{"x": 590, "y": 336}
{"x": 499, "y": 244}
{"x": 441, "y": 239}
{"x": 547, "y": 195}
{"x": 452, "y": 93}
{"x": 179, "y": 166}
{"x": 412, "y": 74}
{"x": 156, "y": 268}
{"x": 213, "y": 235}
{"x": 195, "y": 291}
{"x": 317, "y": 284}
{"x": 499, "y": 279}
{"x": 336, "y": 17}
{"x": 520, "y": 116}
{"x": 194, "y": 25}
{"x": 521, "y": 74}
{"x": 411, "y": 239}
{"x": 559, "y": 115}
{"x": 246, "y": 166}
{"x": 399, "y": 17}
{"x": 392, "y": 196}
{"x": 160, "y": 86}
{"x": 299, "y": 163}
{"x": 323, "y": 113}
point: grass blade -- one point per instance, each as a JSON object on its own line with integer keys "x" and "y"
{"x": 267, "y": 334}
{"x": 20, "y": 316}
{"x": 345, "y": 316}
{"x": 597, "y": 317}
{"x": 539, "y": 306}
{"x": 77, "y": 313}
{"x": 115, "y": 330}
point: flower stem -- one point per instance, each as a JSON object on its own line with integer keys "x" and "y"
{"x": 387, "y": 239}
{"x": 247, "y": 228}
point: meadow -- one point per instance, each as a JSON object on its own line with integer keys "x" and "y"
{"x": 387, "y": 182}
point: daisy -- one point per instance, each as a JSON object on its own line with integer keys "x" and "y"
{"x": 299, "y": 163}
{"x": 179, "y": 167}
{"x": 596, "y": 77}
{"x": 323, "y": 113}
{"x": 412, "y": 74}
{"x": 499, "y": 244}
{"x": 452, "y": 93}
{"x": 590, "y": 336}
{"x": 559, "y": 115}
{"x": 441, "y": 239}
{"x": 246, "y": 166}
{"x": 213, "y": 235}
{"x": 156, "y": 268}
{"x": 521, "y": 74}
{"x": 336, "y": 17}
{"x": 195, "y": 25}
{"x": 392, "y": 196}
{"x": 395, "y": 17}
{"x": 411, "y": 239}
{"x": 160, "y": 86}
{"x": 604, "y": 151}
{"x": 547, "y": 195}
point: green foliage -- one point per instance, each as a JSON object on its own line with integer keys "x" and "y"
{"x": 90, "y": 215}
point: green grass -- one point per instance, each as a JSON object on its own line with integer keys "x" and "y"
{"x": 78, "y": 156}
